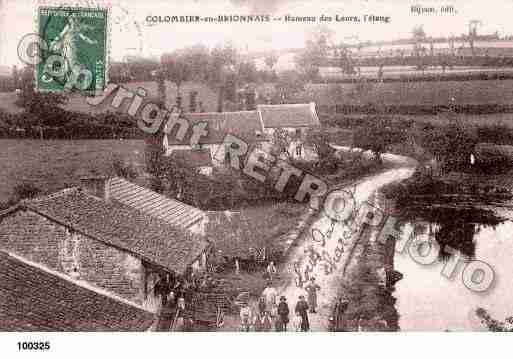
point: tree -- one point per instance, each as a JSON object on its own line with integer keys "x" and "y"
{"x": 315, "y": 52}
{"x": 492, "y": 324}
{"x": 377, "y": 136}
{"x": 344, "y": 60}
{"x": 451, "y": 145}
{"x": 15, "y": 77}
{"x": 160, "y": 76}
{"x": 271, "y": 60}
{"x": 177, "y": 68}
{"x": 289, "y": 83}
{"x": 320, "y": 142}
{"x": 282, "y": 141}
{"x": 36, "y": 102}
{"x": 472, "y": 33}
{"x": 419, "y": 36}
{"x": 247, "y": 72}
{"x": 44, "y": 108}
{"x": 221, "y": 65}
{"x": 198, "y": 57}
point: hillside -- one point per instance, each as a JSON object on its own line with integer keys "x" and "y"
{"x": 77, "y": 102}
{"x": 424, "y": 93}
{"x": 52, "y": 165}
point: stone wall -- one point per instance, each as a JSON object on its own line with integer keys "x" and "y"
{"x": 50, "y": 244}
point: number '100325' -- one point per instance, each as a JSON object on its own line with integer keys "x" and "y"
{"x": 33, "y": 345}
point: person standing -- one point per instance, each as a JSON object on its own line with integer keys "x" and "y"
{"x": 267, "y": 322}
{"x": 312, "y": 289}
{"x": 270, "y": 295}
{"x": 162, "y": 289}
{"x": 271, "y": 270}
{"x": 283, "y": 314}
{"x": 339, "y": 313}
{"x": 302, "y": 311}
{"x": 263, "y": 322}
{"x": 245, "y": 317}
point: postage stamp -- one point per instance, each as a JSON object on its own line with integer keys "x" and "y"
{"x": 74, "y": 51}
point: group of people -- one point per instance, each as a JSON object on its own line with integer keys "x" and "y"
{"x": 176, "y": 292}
{"x": 271, "y": 313}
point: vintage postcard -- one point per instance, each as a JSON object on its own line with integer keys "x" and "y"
{"x": 255, "y": 166}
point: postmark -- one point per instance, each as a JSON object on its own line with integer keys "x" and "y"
{"x": 75, "y": 55}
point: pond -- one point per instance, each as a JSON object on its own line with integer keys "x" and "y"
{"x": 428, "y": 300}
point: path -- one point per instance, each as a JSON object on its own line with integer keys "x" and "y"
{"x": 365, "y": 190}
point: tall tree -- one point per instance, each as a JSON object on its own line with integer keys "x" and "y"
{"x": 222, "y": 63}
{"x": 44, "y": 107}
{"x": 419, "y": 36}
{"x": 472, "y": 34}
{"x": 177, "y": 68}
{"x": 315, "y": 52}
{"x": 289, "y": 83}
{"x": 271, "y": 60}
{"x": 160, "y": 77}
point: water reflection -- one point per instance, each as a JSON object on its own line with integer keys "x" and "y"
{"x": 426, "y": 300}
{"x": 451, "y": 226}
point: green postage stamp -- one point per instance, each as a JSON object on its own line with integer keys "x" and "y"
{"x": 74, "y": 49}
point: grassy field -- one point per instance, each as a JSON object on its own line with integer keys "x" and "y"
{"x": 77, "y": 102}
{"x": 52, "y": 165}
{"x": 419, "y": 93}
{"x": 427, "y": 93}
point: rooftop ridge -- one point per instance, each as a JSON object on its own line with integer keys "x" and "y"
{"x": 287, "y": 104}
{"x": 76, "y": 282}
{"x": 120, "y": 179}
{"x": 62, "y": 192}
{"x": 219, "y": 113}
{"x": 159, "y": 223}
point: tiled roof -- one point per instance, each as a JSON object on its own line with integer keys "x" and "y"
{"x": 154, "y": 204}
{"x": 119, "y": 225}
{"x": 192, "y": 158}
{"x": 32, "y": 299}
{"x": 245, "y": 125}
{"x": 289, "y": 115}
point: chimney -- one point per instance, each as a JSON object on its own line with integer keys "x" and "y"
{"x": 98, "y": 186}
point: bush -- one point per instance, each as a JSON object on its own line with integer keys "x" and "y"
{"x": 26, "y": 190}
{"x": 125, "y": 170}
{"x": 499, "y": 134}
{"x": 377, "y": 136}
{"x": 451, "y": 145}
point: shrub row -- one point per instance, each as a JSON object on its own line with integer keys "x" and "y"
{"x": 418, "y": 76}
{"x": 69, "y": 125}
{"x": 486, "y": 61}
{"x": 372, "y": 109}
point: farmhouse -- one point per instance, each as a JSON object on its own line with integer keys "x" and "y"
{"x": 89, "y": 235}
{"x": 295, "y": 119}
{"x": 256, "y": 128}
{"x": 245, "y": 125}
{"x": 35, "y": 298}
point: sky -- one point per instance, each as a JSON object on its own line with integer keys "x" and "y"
{"x": 131, "y": 34}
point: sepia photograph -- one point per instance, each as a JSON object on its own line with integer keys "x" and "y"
{"x": 253, "y": 166}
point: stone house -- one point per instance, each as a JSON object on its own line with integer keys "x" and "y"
{"x": 295, "y": 119}
{"x": 245, "y": 125}
{"x": 256, "y": 128}
{"x": 90, "y": 236}
{"x": 35, "y": 298}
